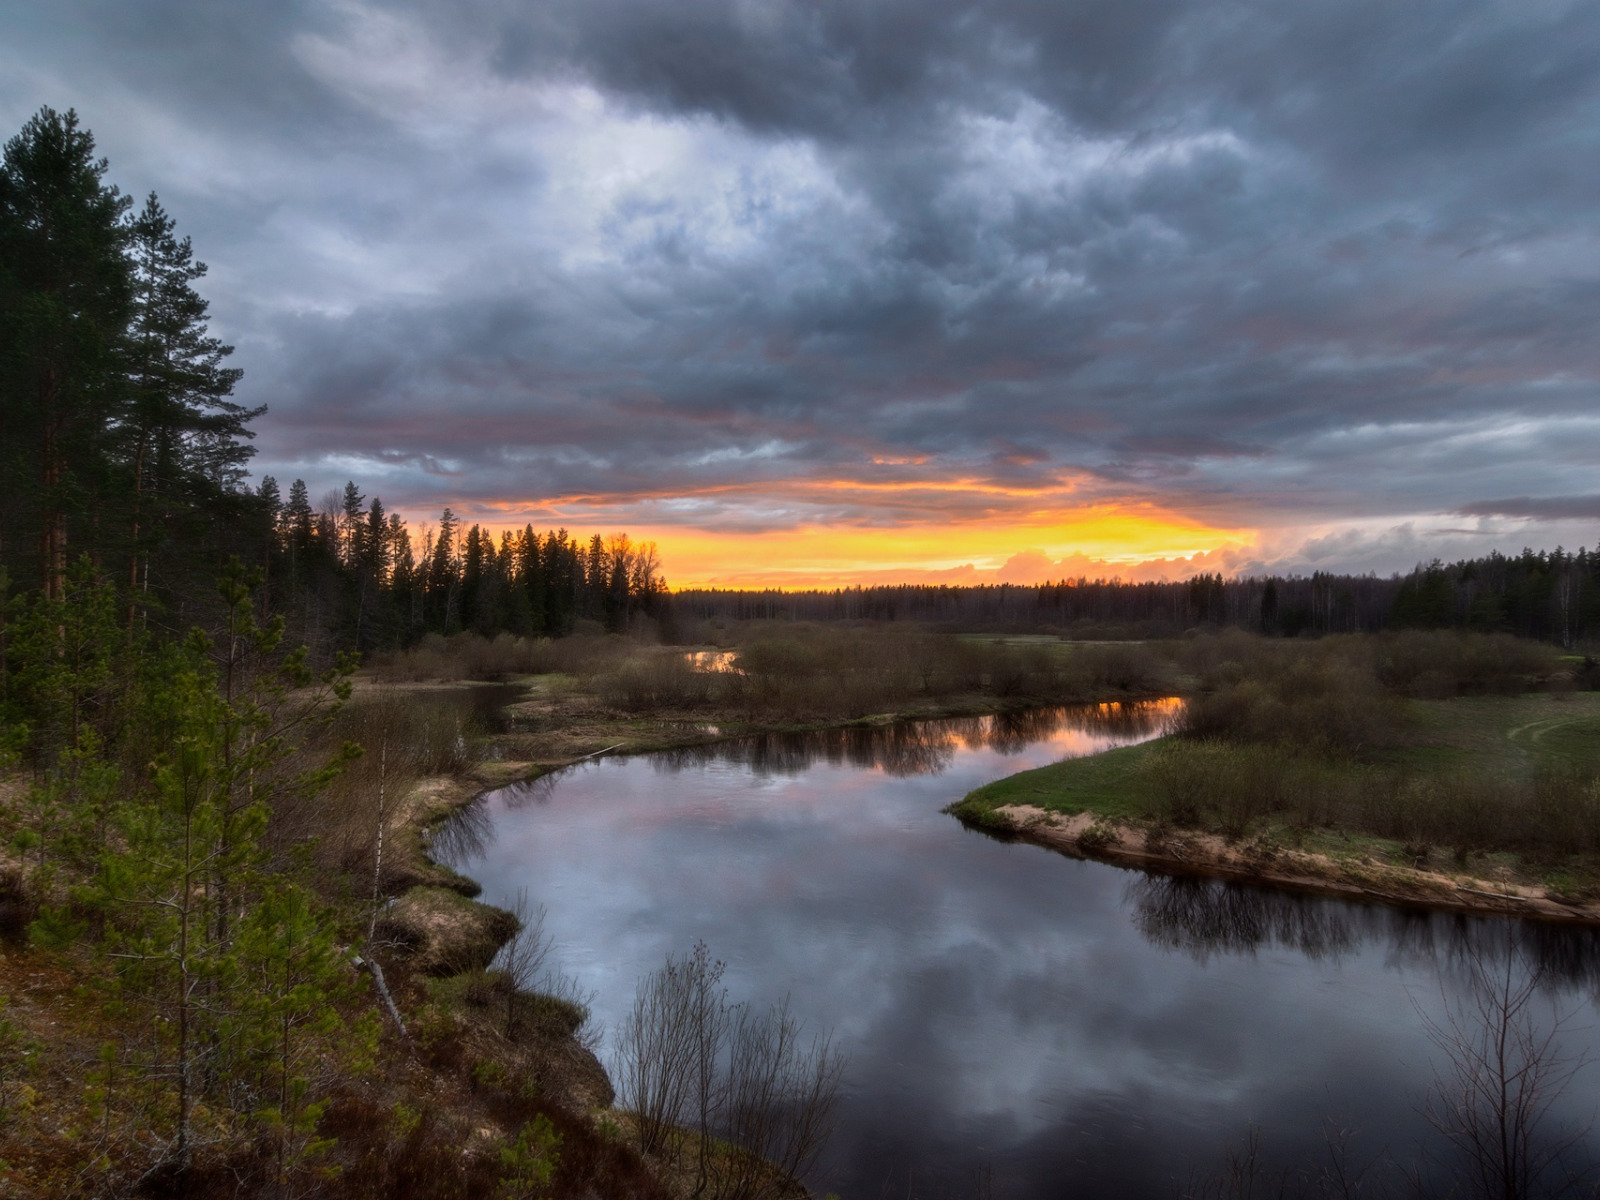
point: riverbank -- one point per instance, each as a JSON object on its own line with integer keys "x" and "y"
{"x": 1484, "y": 806}
{"x": 440, "y": 935}
{"x": 549, "y": 728}
{"x": 1358, "y": 873}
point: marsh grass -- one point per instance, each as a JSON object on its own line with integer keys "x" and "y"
{"x": 390, "y": 739}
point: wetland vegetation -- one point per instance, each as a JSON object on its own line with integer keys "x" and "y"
{"x": 1450, "y": 755}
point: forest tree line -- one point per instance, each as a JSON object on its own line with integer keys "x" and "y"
{"x": 1549, "y": 595}
{"x": 351, "y": 572}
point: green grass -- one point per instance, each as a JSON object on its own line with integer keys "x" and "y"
{"x": 1509, "y": 734}
{"x": 1448, "y": 742}
{"x": 1104, "y": 784}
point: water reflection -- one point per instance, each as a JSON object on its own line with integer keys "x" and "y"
{"x": 465, "y": 835}
{"x": 713, "y": 661}
{"x": 1204, "y": 918}
{"x": 926, "y": 747}
{"x": 1078, "y": 1028}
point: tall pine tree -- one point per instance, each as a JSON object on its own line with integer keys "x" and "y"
{"x": 185, "y": 441}
{"x": 66, "y": 294}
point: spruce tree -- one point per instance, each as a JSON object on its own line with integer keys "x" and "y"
{"x": 352, "y": 512}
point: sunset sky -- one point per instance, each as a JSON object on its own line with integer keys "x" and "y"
{"x": 833, "y": 291}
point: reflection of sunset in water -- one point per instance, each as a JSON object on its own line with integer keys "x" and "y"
{"x": 1002, "y": 1006}
{"x": 713, "y": 661}
{"x": 927, "y": 747}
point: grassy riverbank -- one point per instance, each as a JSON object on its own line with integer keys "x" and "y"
{"x": 1306, "y": 768}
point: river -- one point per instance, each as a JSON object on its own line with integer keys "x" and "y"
{"x": 1019, "y": 1023}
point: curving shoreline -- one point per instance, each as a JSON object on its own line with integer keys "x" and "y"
{"x": 1260, "y": 861}
{"x": 429, "y": 889}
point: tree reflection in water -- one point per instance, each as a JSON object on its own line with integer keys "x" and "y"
{"x": 907, "y": 748}
{"x": 1204, "y": 918}
{"x": 1207, "y": 917}
{"x": 464, "y": 835}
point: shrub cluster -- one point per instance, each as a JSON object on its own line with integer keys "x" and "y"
{"x": 1347, "y": 693}
{"x": 472, "y": 656}
{"x": 1228, "y": 786}
{"x": 803, "y": 672}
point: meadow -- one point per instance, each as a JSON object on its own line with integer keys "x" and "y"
{"x": 1437, "y": 751}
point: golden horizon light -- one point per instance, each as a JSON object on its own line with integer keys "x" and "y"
{"x": 1100, "y": 541}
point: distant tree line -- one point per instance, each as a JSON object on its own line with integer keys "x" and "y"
{"x": 1323, "y": 603}
{"x": 353, "y": 573}
{"x": 1553, "y": 596}
{"x": 1549, "y": 595}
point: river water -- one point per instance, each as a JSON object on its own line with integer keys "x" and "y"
{"x": 1019, "y": 1023}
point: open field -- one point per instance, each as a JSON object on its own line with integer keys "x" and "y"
{"x": 1421, "y": 766}
{"x": 1475, "y": 794}
{"x": 1505, "y": 735}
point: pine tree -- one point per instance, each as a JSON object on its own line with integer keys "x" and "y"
{"x": 65, "y": 298}
{"x": 443, "y": 582}
{"x": 185, "y": 441}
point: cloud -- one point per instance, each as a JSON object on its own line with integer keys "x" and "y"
{"x": 1549, "y": 508}
{"x": 1271, "y": 265}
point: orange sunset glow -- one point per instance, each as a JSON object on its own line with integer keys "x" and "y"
{"x": 1099, "y": 541}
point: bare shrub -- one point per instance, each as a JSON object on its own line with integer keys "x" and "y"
{"x": 1230, "y": 786}
{"x": 1319, "y": 696}
{"x": 1442, "y": 663}
{"x": 1504, "y": 1073}
{"x": 472, "y": 656}
{"x": 781, "y": 1097}
{"x": 687, "y": 1056}
{"x": 522, "y": 960}
{"x": 661, "y": 1049}
{"x": 396, "y": 738}
{"x": 1130, "y": 667}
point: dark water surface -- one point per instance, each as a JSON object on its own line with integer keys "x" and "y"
{"x": 1019, "y": 1023}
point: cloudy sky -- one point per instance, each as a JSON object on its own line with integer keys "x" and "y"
{"x": 833, "y": 290}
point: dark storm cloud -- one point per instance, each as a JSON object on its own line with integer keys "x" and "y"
{"x": 1553, "y": 508}
{"x": 1269, "y": 263}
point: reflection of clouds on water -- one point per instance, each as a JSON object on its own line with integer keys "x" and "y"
{"x": 1207, "y": 917}
{"x": 999, "y": 1002}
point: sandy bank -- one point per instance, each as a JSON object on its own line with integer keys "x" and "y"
{"x": 1264, "y": 861}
